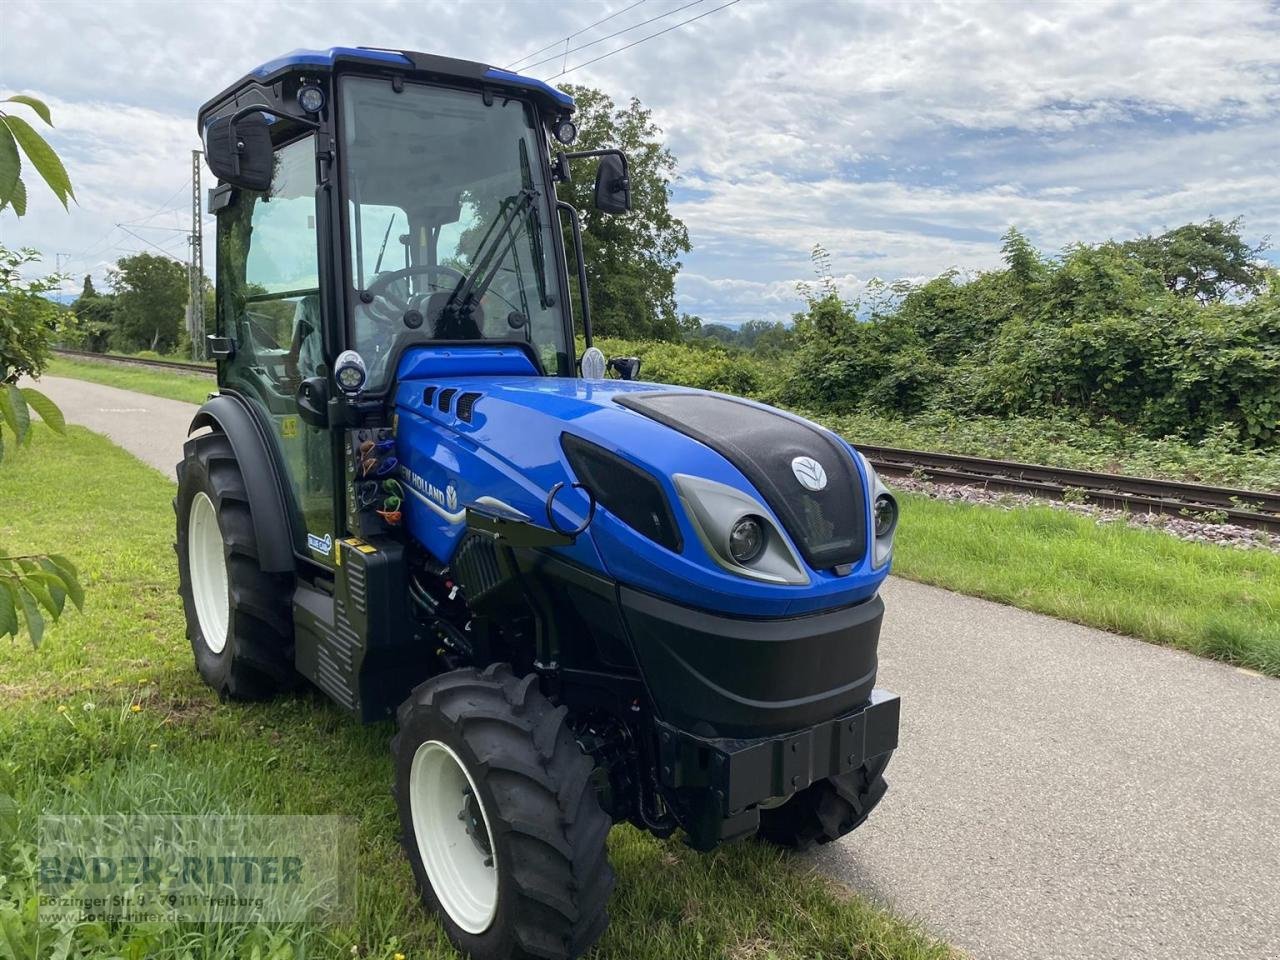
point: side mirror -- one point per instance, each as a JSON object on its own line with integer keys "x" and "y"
{"x": 613, "y": 185}
{"x": 239, "y": 151}
{"x": 627, "y": 368}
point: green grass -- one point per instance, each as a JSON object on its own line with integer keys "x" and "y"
{"x": 185, "y": 752}
{"x": 191, "y": 387}
{"x": 1210, "y": 600}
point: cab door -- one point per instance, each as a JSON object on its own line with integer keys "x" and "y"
{"x": 269, "y": 307}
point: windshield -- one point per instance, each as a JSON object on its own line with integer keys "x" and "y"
{"x": 449, "y": 222}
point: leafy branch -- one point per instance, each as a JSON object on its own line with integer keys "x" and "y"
{"x": 36, "y": 585}
{"x": 18, "y": 137}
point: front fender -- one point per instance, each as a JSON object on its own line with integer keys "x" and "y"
{"x": 268, "y": 502}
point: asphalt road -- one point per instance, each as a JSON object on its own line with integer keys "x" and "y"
{"x": 1059, "y": 792}
{"x": 151, "y": 428}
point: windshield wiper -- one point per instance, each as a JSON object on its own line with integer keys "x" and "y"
{"x": 491, "y": 253}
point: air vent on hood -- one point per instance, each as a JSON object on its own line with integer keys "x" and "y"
{"x": 428, "y": 394}
{"x": 445, "y": 398}
{"x": 465, "y": 404}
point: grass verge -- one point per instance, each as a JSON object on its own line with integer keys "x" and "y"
{"x": 190, "y": 387}
{"x": 1209, "y": 600}
{"x": 70, "y": 741}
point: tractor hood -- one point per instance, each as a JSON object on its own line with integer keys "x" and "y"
{"x": 506, "y": 438}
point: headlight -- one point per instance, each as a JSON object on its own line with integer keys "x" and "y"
{"x": 884, "y": 516}
{"x": 737, "y": 532}
{"x": 746, "y": 539}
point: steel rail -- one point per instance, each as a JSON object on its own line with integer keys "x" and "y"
{"x": 204, "y": 368}
{"x": 1258, "y": 509}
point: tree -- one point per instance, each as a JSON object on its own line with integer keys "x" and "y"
{"x": 632, "y": 259}
{"x": 18, "y": 137}
{"x": 95, "y": 318}
{"x": 1209, "y": 261}
{"x": 151, "y": 292}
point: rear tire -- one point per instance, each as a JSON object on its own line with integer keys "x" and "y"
{"x": 487, "y": 770}
{"x": 238, "y": 616}
{"x": 827, "y": 810}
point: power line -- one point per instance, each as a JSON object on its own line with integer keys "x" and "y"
{"x": 150, "y": 244}
{"x": 636, "y": 43}
{"x": 616, "y": 33}
{"x": 559, "y": 40}
{"x": 147, "y": 226}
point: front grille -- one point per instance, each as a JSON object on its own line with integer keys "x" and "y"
{"x": 445, "y": 398}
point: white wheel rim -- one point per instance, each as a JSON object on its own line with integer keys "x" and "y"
{"x": 208, "y": 566}
{"x": 464, "y": 879}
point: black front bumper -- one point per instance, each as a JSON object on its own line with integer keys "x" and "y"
{"x": 721, "y": 780}
{"x": 717, "y": 675}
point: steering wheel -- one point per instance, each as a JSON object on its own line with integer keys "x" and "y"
{"x": 381, "y": 286}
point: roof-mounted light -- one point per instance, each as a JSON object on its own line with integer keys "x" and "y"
{"x": 565, "y": 130}
{"x": 311, "y": 99}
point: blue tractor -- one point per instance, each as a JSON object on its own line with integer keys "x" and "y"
{"x": 581, "y": 598}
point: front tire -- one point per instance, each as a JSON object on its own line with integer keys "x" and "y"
{"x": 499, "y": 817}
{"x": 238, "y": 617}
{"x": 827, "y": 810}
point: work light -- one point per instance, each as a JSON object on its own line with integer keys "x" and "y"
{"x": 349, "y": 372}
{"x": 311, "y": 99}
{"x": 565, "y": 130}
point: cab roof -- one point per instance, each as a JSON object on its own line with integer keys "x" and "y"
{"x": 408, "y": 62}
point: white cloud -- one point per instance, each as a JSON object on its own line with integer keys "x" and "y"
{"x": 904, "y": 136}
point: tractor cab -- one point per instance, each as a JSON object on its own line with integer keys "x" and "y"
{"x": 370, "y": 201}
{"x": 581, "y": 599}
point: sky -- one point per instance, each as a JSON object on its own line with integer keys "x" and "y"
{"x": 906, "y": 138}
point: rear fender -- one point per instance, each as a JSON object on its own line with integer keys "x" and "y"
{"x": 268, "y": 503}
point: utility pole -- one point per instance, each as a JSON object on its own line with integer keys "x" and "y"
{"x": 195, "y": 310}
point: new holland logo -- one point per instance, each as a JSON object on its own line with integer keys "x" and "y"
{"x": 809, "y": 472}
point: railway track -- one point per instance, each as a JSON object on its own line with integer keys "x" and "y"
{"x": 1248, "y": 508}
{"x": 136, "y": 361}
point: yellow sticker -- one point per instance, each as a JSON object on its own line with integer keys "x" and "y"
{"x": 367, "y": 548}
{"x": 337, "y": 554}
{"x": 289, "y": 427}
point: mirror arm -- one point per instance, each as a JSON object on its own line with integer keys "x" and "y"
{"x": 585, "y": 300}
{"x": 606, "y": 152}
{"x": 259, "y": 108}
